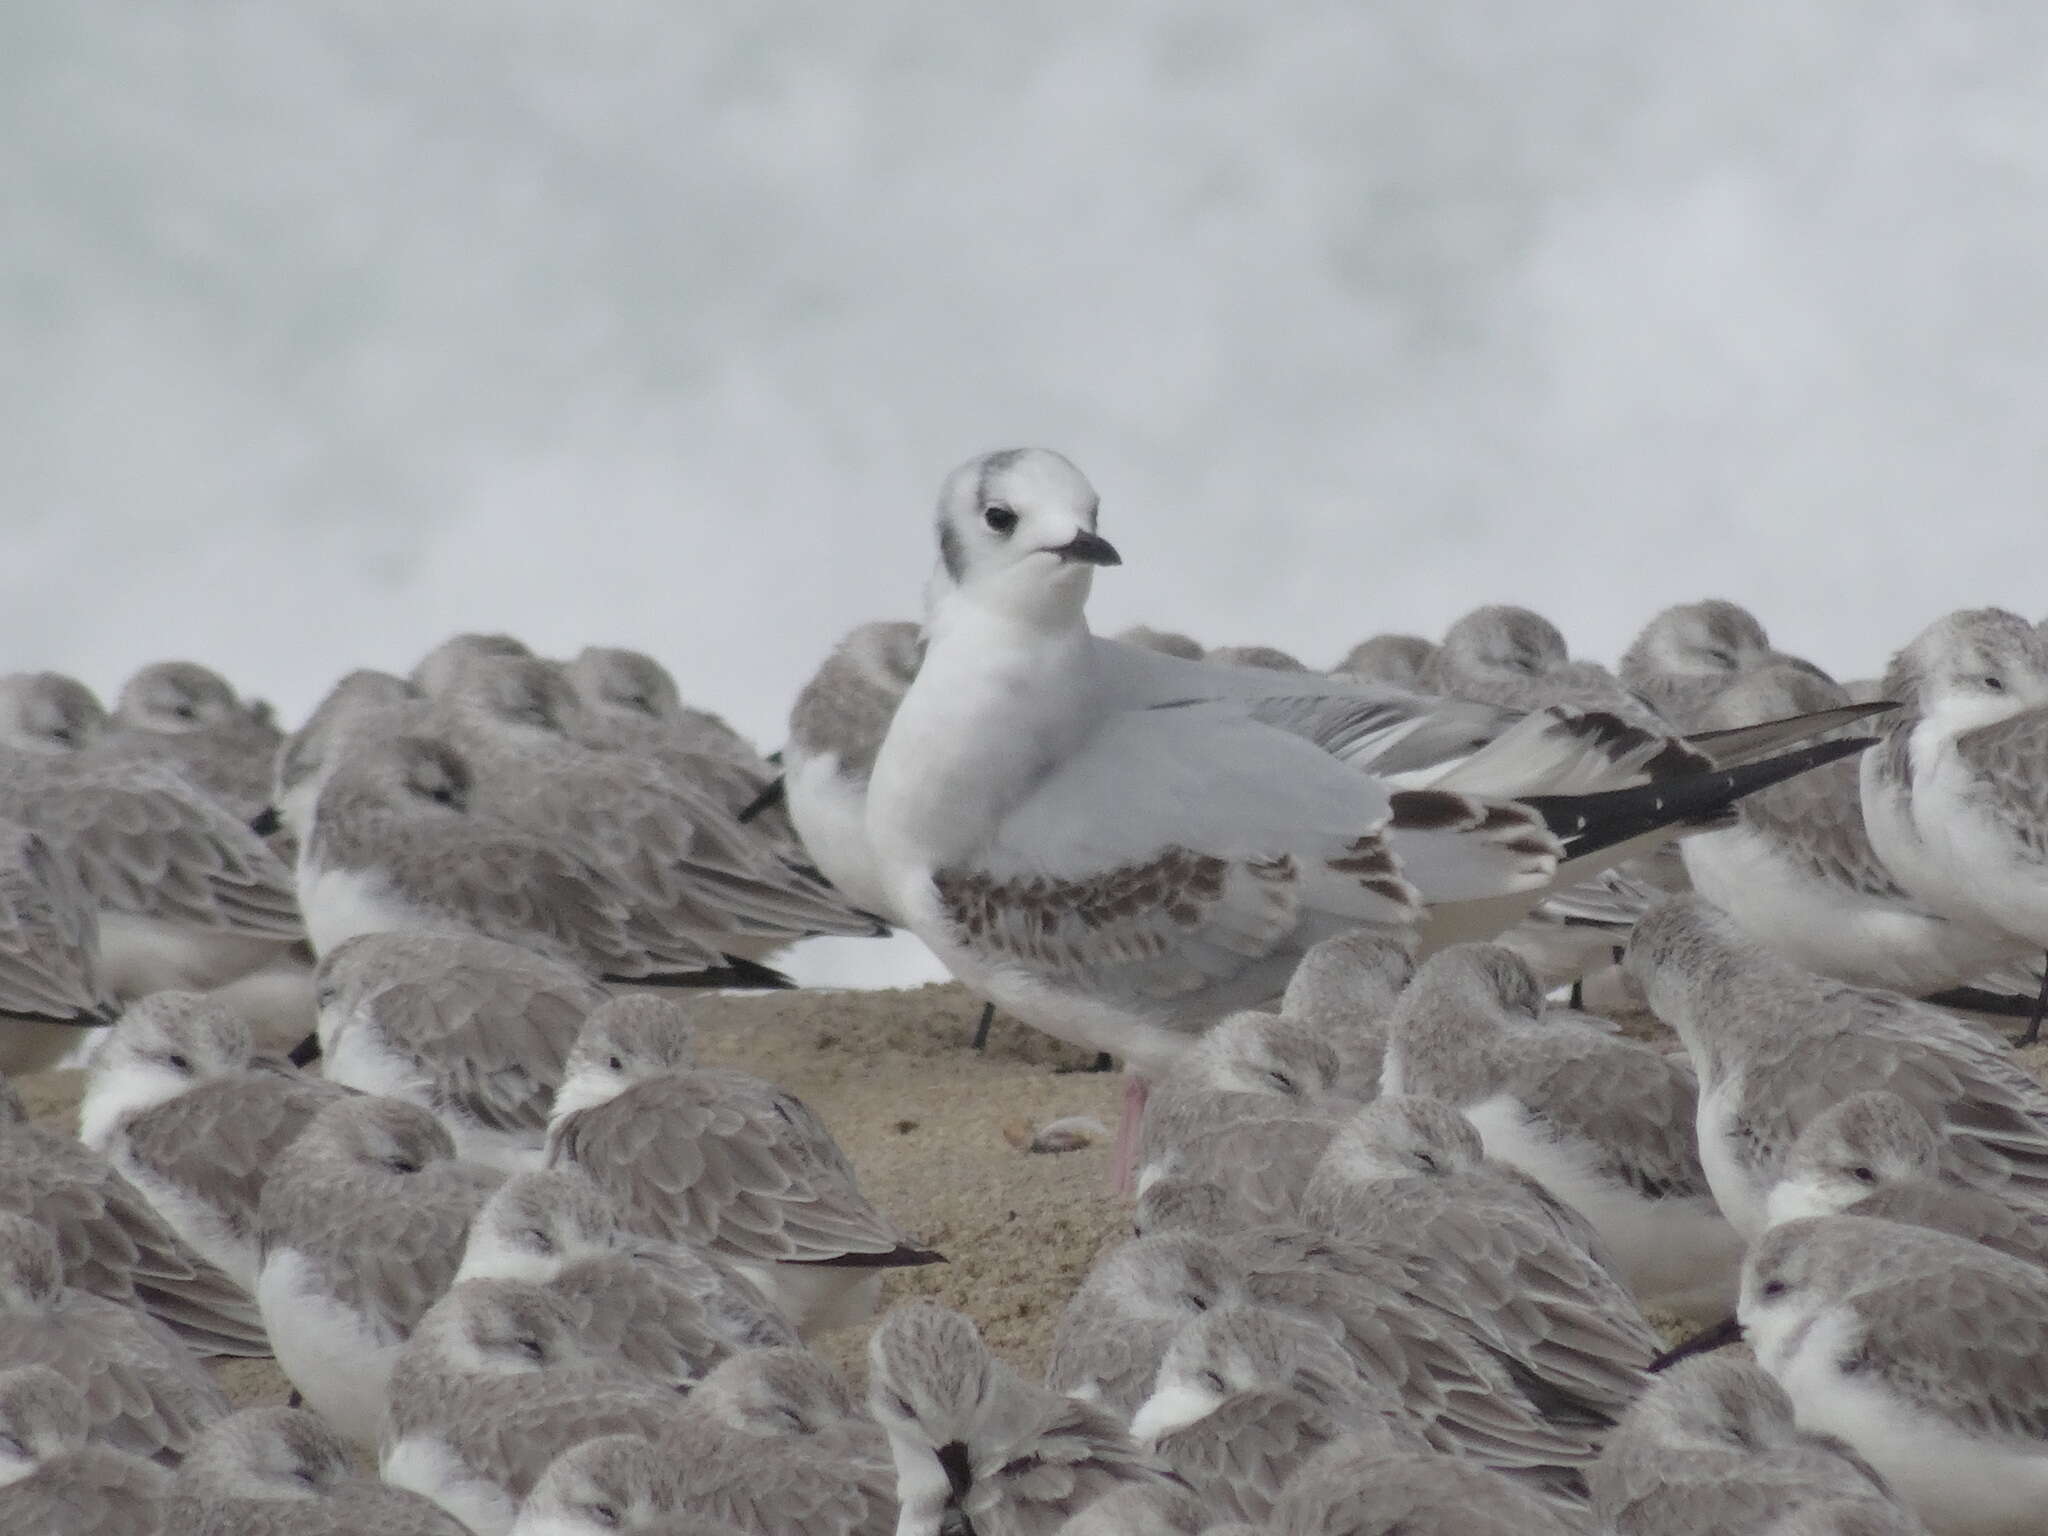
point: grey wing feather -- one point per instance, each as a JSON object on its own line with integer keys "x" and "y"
{"x": 767, "y": 1485}
{"x": 1638, "y": 1104}
{"x": 494, "y": 1044}
{"x": 112, "y": 1243}
{"x": 49, "y": 932}
{"x": 1241, "y": 1456}
{"x": 144, "y": 841}
{"x": 96, "y": 1491}
{"x": 2010, "y": 759}
{"x": 1101, "y": 1354}
{"x": 725, "y": 1162}
{"x": 144, "y": 1393}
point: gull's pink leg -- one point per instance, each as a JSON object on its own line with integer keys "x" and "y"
{"x": 1123, "y": 1170}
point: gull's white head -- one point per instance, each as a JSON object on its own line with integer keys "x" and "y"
{"x": 616, "y": 1485}
{"x": 536, "y": 1223}
{"x": 1865, "y": 1143}
{"x": 273, "y": 1454}
{"x": 178, "y": 697}
{"x": 42, "y": 1416}
{"x": 48, "y": 712}
{"x": 1017, "y": 531}
{"x": 625, "y": 1042}
{"x": 1971, "y": 668}
{"x": 162, "y": 1045}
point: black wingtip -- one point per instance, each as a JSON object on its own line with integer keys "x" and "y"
{"x": 2000, "y": 1005}
{"x": 775, "y": 794}
{"x": 735, "y": 972}
{"x": 305, "y": 1053}
{"x": 1585, "y": 824}
{"x": 94, "y": 1018}
{"x": 266, "y": 822}
{"x": 900, "y": 1257}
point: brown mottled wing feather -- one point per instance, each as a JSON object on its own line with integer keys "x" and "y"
{"x": 1180, "y": 851}
{"x": 2011, "y": 759}
{"x": 729, "y": 1163}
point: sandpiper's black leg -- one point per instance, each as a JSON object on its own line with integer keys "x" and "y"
{"x": 988, "y": 1017}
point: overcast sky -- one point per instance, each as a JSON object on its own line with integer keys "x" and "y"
{"x": 327, "y": 329}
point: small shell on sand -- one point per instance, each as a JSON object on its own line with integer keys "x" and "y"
{"x": 1070, "y": 1134}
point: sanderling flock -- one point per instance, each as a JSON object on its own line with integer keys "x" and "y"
{"x": 1477, "y": 1004}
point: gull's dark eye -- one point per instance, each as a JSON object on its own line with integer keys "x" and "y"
{"x": 179, "y": 1062}
{"x": 1426, "y": 1161}
{"x": 401, "y": 1165}
{"x": 1213, "y": 1382}
{"x": 603, "y": 1514}
{"x": 1195, "y": 1303}
{"x": 1281, "y": 1081}
{"x": 1000, "y": 520}
{"x": 615, "y": 1064}
{"x": 531, "y": 1349}
{"x": 184, "y": 711}
{"x": 539, "y": 1241}
{"x": 1774, "y": 1288}
{"x": 902, "y": 1405}
{"x": 1864, "y": 1175}
{"x": 1995, "y": 684}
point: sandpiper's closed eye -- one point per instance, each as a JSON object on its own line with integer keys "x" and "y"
{"x": 1000, "y": 519}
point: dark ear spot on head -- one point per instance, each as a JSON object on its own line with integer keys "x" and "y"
{"x": 949, "y": 551}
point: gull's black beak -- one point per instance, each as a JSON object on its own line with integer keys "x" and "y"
{"x": 1089, "y": 549}
{"x": 959, "y": 1476}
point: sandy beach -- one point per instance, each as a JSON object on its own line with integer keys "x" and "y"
{"x": 923, "y": 1118}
